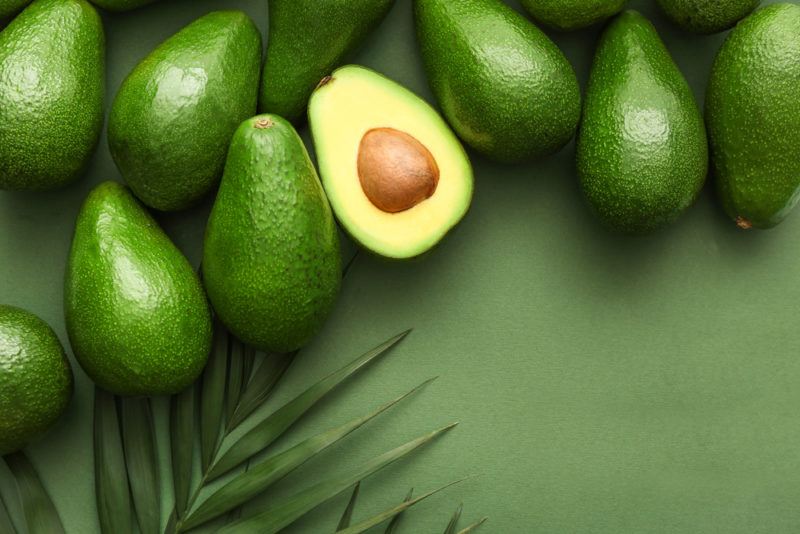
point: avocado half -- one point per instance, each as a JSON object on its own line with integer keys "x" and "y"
{"x": 396, "y": 176}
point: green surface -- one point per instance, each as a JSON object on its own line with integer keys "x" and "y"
{"x": 604, "y": 384}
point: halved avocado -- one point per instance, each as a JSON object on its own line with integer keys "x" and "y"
{"x": 396, "y": 176}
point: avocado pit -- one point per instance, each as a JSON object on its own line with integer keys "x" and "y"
{"x": 396, "y": 171}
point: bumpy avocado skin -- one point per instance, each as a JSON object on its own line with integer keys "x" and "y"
{"x": 503, "y": 85}
{"x": 175, "y": 114}
{"x": 121, "y": 5}
{"x": 298, "y": 59}
{"x": 570, "y": 15}
{"x": 707, "y": 16}
{"x": 52, "y": 77}
{"x": 35, "y": 378}
{"x": 136, "y": 313}
{"x": 753, "y": 115}
{"x": 642, "y": 154}
{"x": 9, "y": 8}
{"x": 271, "y": 264}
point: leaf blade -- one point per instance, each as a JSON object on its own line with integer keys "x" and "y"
{"x": 391, "y": 528}
{"x": 235, "y": 377}
{"x": 347, "y": 516}
{"x": 266, "y": 432}
{"x": 5, "y": 519}
{"x": 474, "y": 526}
{"x": 182, "y": 415}
{"x": 453, "y": 524}
{"x": 138, "y": 436}
{"x": 41, "y": 516}
{"x": 212, "y": 398}
{"x": 261, "y": 386}
{"x": 288, "y": 510}
{"x": 111, "y": 473}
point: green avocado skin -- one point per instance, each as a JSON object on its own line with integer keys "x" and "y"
{"x": 136, "y": 313}
{"x": 121, "y": 5}
{"x": 272, "y": 263}
{"x": 504, "y": 86}
{"x": 35, "y": 378}
{"x": 707, "y": 16}
{"x": 175, "y": 114}
{"x": 753, "y": 116}
{"x": 11, "y": 7}
{"x": 52, "y": 78}
{"x": 296, "y": 61}
{"x": 642, "y": 153}
{"x": 570, "y": 15}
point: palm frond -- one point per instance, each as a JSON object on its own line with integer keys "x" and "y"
{"x": 41, "y": 516}
{"x": 139, "y": 442}
{"x": 112, "y": 490}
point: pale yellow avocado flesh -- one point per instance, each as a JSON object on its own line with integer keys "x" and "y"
{"x": 356, "y": 100}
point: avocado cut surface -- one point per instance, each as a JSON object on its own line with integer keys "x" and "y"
{"x": 35, "y": 378}
{"x": 642, "y": 153}
{"x": 753, "y": 115}
{"x": 505, "y": 87}
{"x": 52, "y": 78}
{"x": 136, "y": 313}
{"x": 569, "y": 15}
{"x": 175, "y": 113}
{"x": 344, "y": 113}
{"x": 296, "y": 61}
{"x": 707, "y": 16}
{"x": 271, "y": 260}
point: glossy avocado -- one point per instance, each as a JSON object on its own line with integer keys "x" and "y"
{"x": 136, "y": 313}
{"x": 753, "y": 115}
{"x": 504, "y": 86}
{"x": 271, "y": 263}
{"x": 397, "y": 177}
{"x": 35, "y": 378}
{"x": 175, "y": 114}
{"x": 569, "y": 15}
{"x": 297, "y": 60}
{"x": 707, "y": 16}
{"x": 642, "y": 155}
{"x": 52, "y": 77}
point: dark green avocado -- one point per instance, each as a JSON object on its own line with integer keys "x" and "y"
{"x": 121, "y": 5}
{"x": 570, "y": 15}
{"x": 52, "y": 78}
{"x": 707, "y": 16}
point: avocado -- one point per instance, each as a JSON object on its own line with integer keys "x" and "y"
{"x": 9, "y": 8}
{"x": 52, "y": 77}
{"x": 569, "y": 15}
{"x": 297, "y": 60}
{"x": 753, "y": 115}
{"x": 121, "y": 5}
{"x": 396, "y": 176}
{"x": 271, "y": 263}
{"x": 175, "y": 114}
{"x": 504, "y": 86}
{"x": 35, "y": 378}
{"x": 642, "y": 155}
{"x": 136, "y": 313}
{"x": 707, "y": 16}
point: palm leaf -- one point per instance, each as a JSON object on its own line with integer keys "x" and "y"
{"x": 259, "y": 477}
{"x": 347, "y": 516}
{"x": 138, "y": 436}
{"x": 260, "y": 386}
{"x": 266, "y": 432}
{"x": 183, "y": 414}
{"x": 236, "y": 378}
{"x": 5, "y": 520}
{"x": 212, "y": 398}
{"x": 391, "y": 513}
{"x": 286, "y": 511}
{"x": 453, "y": 524}
{"x": 111, "y": 476}
{"x": 473, "y": 526}
{"x": 41, "y": 516}
{"x": 391, "y": 528}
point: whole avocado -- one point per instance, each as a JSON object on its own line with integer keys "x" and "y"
{"x": 175, "y": 114}
{"x": 569, "y": 15}
{"x": 504, "y": 86}
{"x": 296, "y": 61}
{"x": 52, "y": 76}
{"x": 642, "y": 154}
{"x": 35, "y": 378}
{"x": 11, "y": 7}
{"x": 271, "y": 263}
{"x": 121, "y": 5}
{"x": 753, "y": 115}
{"x": 707, "y": 16}
{"x": 137, "y": 317}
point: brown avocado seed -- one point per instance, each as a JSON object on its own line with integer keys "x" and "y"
{"x": 396, "y": 171}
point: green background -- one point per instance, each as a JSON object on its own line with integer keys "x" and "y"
{"x": 604, "y": 384}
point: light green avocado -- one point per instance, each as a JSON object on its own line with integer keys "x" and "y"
{"x": 271, "y": 264}
{"x": 753, "y": 115}
{"x": 397, "y": 177}
{"x": 121, "y": 5}
{"x": 642, "y": 154}
{"x": 569, "y": 15}
{"x": 52, "y": 77}
{"x": 9, "y": 8}
{"x": 136, "y": 313}
{"x": 35, "y": 378}
{"x": 175, "y": 114}
{"x": 297, "y": 60}
{"x": 504, "y": 86}
{"x": 707, "y": 16}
